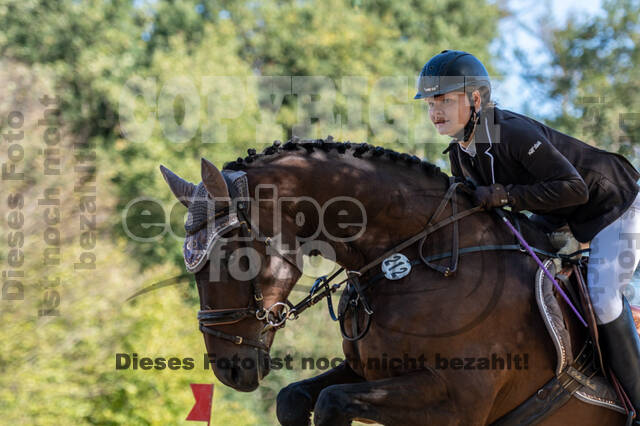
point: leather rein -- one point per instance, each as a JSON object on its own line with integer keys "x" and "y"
{"x": 209, "y": 318}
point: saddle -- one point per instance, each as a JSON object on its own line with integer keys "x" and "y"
{"x": 580, "y": 369}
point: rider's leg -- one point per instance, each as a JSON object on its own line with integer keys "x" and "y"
{"x": 615, "y": 253}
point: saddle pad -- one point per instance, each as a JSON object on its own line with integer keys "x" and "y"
{"x": 596, "y": 390}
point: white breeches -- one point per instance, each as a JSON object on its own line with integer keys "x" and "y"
{"x": 615, "y": 253}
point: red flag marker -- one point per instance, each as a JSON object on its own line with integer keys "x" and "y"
{"x": 201, "y": 410}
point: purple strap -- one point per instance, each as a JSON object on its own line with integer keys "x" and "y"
{"x": 546, "y": 271}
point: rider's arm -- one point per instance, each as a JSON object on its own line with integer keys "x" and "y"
{"x": 556, "y": 183}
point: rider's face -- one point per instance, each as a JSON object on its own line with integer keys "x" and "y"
{"x": 449, "y": 112}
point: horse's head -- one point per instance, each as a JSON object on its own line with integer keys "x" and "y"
{"x": 242, "y": 283}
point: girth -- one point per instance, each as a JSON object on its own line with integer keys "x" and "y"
{"x": 555, "y": 393}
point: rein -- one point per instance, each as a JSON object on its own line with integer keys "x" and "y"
{"x": 323, "y": 288}
{"x": 449, "y": 196}
{"x": 209, "y": 318}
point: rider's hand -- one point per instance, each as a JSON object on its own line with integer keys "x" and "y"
{"x": 491, "y": 196}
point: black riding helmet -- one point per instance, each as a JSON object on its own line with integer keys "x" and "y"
{"x": 452, "y": 70}
{"x": 455, "y": 70}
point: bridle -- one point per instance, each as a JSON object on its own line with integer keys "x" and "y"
{"x": 209, "y": 318}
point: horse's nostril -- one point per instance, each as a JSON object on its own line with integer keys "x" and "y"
{"x": 264, "y": 364}
{"x": 235, "y": 375}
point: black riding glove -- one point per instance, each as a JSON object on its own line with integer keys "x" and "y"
{"x": 492, "y": 196}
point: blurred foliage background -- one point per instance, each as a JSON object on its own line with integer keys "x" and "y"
{"x": 111, "y": 65}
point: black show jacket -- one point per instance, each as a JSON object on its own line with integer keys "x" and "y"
{"x": 548, "y": 172}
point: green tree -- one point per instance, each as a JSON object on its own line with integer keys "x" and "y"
{"x": 593, "y": 76}
{"x": 363, "y": 55}
{"x": 372, "y": 40}
{"x": 123, "y": 71}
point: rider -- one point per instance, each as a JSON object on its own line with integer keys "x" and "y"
{"x": 517, "y": 161}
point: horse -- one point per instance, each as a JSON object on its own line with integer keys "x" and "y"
{"x": 355, "y": 202}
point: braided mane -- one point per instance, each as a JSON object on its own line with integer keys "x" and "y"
{"x": 357, "y": 149}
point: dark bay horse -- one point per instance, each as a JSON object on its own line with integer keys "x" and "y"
{"x": 358, "y": 201}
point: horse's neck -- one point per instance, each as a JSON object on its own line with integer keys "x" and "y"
{"x": 397, "y": 201}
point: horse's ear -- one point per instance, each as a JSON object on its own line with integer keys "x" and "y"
{"x": 213, "y": 180}
{"x": 182, "y": 189}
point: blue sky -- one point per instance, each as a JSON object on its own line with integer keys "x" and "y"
{"x": 511, "y": 91}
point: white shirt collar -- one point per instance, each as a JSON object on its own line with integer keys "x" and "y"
{"x": 471, "y": 149}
